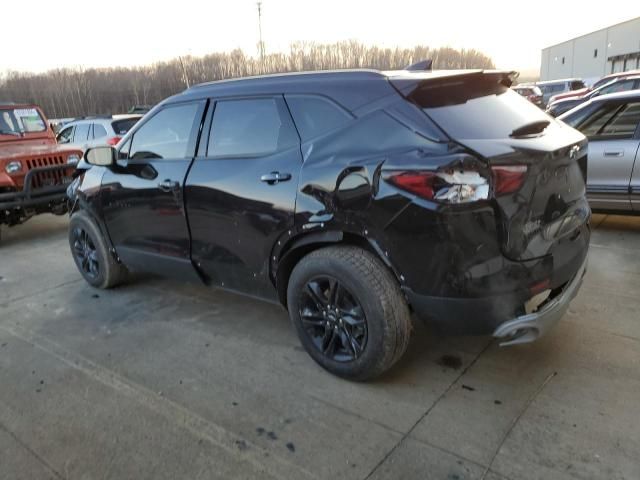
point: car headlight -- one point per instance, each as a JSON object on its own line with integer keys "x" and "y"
{"x": 73, "y": 159}
{"x": 13, "y": 167}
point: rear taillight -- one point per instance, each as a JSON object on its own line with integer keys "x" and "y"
{"x": 445, "y": 187}
{"x": 508, "y": 178}
{"x": 113, "y": 141}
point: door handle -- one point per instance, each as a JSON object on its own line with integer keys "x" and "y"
{"x": 614, "y": 154}
{"x": 168, "y": 185}
{"x": 275, "y": 177}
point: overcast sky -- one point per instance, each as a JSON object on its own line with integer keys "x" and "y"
{"x": 43, "y": 34}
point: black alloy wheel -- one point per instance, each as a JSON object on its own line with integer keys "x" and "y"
{"x": 333, "y": 319}
{"x": 86, "y": 253}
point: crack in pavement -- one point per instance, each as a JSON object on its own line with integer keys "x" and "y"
{"x": 429, "y": 410}
{"x": 198, "y": 426}
{"x": 40, "y": 460}
{"x": 6, "y": 303}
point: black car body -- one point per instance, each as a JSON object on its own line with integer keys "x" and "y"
{"x": 447, "y": 189}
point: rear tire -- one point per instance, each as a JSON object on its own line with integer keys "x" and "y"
{"x": 349, "y": 312}
{"x": 91, "y": 253}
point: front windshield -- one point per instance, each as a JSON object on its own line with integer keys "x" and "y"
{"x": 17, "y": 121}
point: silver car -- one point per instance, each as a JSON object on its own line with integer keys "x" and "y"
{"x": 612, "y": 125}
{"x": 95, "y": 131}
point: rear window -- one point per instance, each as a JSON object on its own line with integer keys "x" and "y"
{"x": 553, "y": 88}
{"x": 470, "y": 107}
{"x": 121, "y": 127}
{"x": 21, "y": 120}
{"x": 577, "y": 85}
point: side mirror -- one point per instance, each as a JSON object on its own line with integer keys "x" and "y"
{"x": 100, "y": 156}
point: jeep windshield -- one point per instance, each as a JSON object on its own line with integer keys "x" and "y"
{"x": 18, "y": 121}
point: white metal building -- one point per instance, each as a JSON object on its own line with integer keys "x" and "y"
{"x": 612, "y": 49}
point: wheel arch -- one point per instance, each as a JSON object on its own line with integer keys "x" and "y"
{"x": 298, "y": 247}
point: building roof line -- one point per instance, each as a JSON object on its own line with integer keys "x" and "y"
{"x": 591, "y": 33}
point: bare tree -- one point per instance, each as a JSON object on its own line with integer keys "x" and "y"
{"x": 75, "y": 92}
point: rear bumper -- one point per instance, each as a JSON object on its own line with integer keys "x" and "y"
{"x": 527, "y": 328}
{"x": 30, "y": 196}
{"x": 503, "y": 315}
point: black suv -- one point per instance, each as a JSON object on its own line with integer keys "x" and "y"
{"x": 352, "y": 198}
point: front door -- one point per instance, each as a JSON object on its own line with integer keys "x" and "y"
{"x": 613, "y": 144}
{"x": 241, "y": 191}
{"x": 143, "y": 194}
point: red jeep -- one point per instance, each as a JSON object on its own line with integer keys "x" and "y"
{"x": 34, "y": 169}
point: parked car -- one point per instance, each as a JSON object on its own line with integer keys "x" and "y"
{"x": 531, "y": 93}
{"x": 94, "y": 131}
{"x": 603, "y": 81}
{"x": 34, "y": 171}
{"x": 612, "y": 125}
{"x": 621, "y": 84}
{"x": 351, "y": 198}
{"x": 553, "y": 87}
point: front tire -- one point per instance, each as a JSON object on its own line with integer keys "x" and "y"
{"x": 349, "y": 312}
{"x": 91, "y": 253}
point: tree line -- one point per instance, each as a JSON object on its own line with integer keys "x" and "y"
{"x": 72, "y": 92}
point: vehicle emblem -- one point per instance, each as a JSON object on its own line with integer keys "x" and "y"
{"x": 573, "y": 153}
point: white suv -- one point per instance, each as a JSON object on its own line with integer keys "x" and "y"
{"x": 95, "y": 131}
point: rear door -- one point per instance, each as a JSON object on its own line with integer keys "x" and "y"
{"x": 241, "y": 191}
{"x": 143, "y": 195}
{"x": 613, "y": 146}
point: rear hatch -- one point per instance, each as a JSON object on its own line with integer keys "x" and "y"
{"x": 538, "y": 165}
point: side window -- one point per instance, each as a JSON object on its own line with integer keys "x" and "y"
{"x": 315, "y": 115}
{"x": 250, "y": 128}
{"x": 82, "y": 132}
{"x": 166, "y": 134}
{"x": 99, "y": 131}
{"x": 65, "y": 135}
{"x": 613, "y": 120}
{"x": 624, "y": 122}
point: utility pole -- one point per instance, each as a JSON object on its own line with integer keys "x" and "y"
{"x": 261, "y": 44}
{"x": 185, "y": 75}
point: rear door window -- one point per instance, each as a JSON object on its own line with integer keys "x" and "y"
{"x": 250, "y": 128}
{"x": 99, "y": 131}
{"x": 81, "y": 133}
{"x": 463, "y": 107}
{"x": 612, "y": 120}
{"x": 316, "y": 115}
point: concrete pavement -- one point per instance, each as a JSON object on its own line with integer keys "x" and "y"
{"x": 161, "y": 380}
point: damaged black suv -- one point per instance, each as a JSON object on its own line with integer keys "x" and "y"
{"x": 352, "y": 198}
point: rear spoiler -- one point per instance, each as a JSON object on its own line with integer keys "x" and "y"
{"x": 407, "y": 82}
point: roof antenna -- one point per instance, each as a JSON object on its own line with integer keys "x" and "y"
{"x": 422, "y": 66}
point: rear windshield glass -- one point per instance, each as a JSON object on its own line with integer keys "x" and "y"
{"x": 121, "y": 127}
{"x": 21, "y": 120}
{"x": 477, "y": 107}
